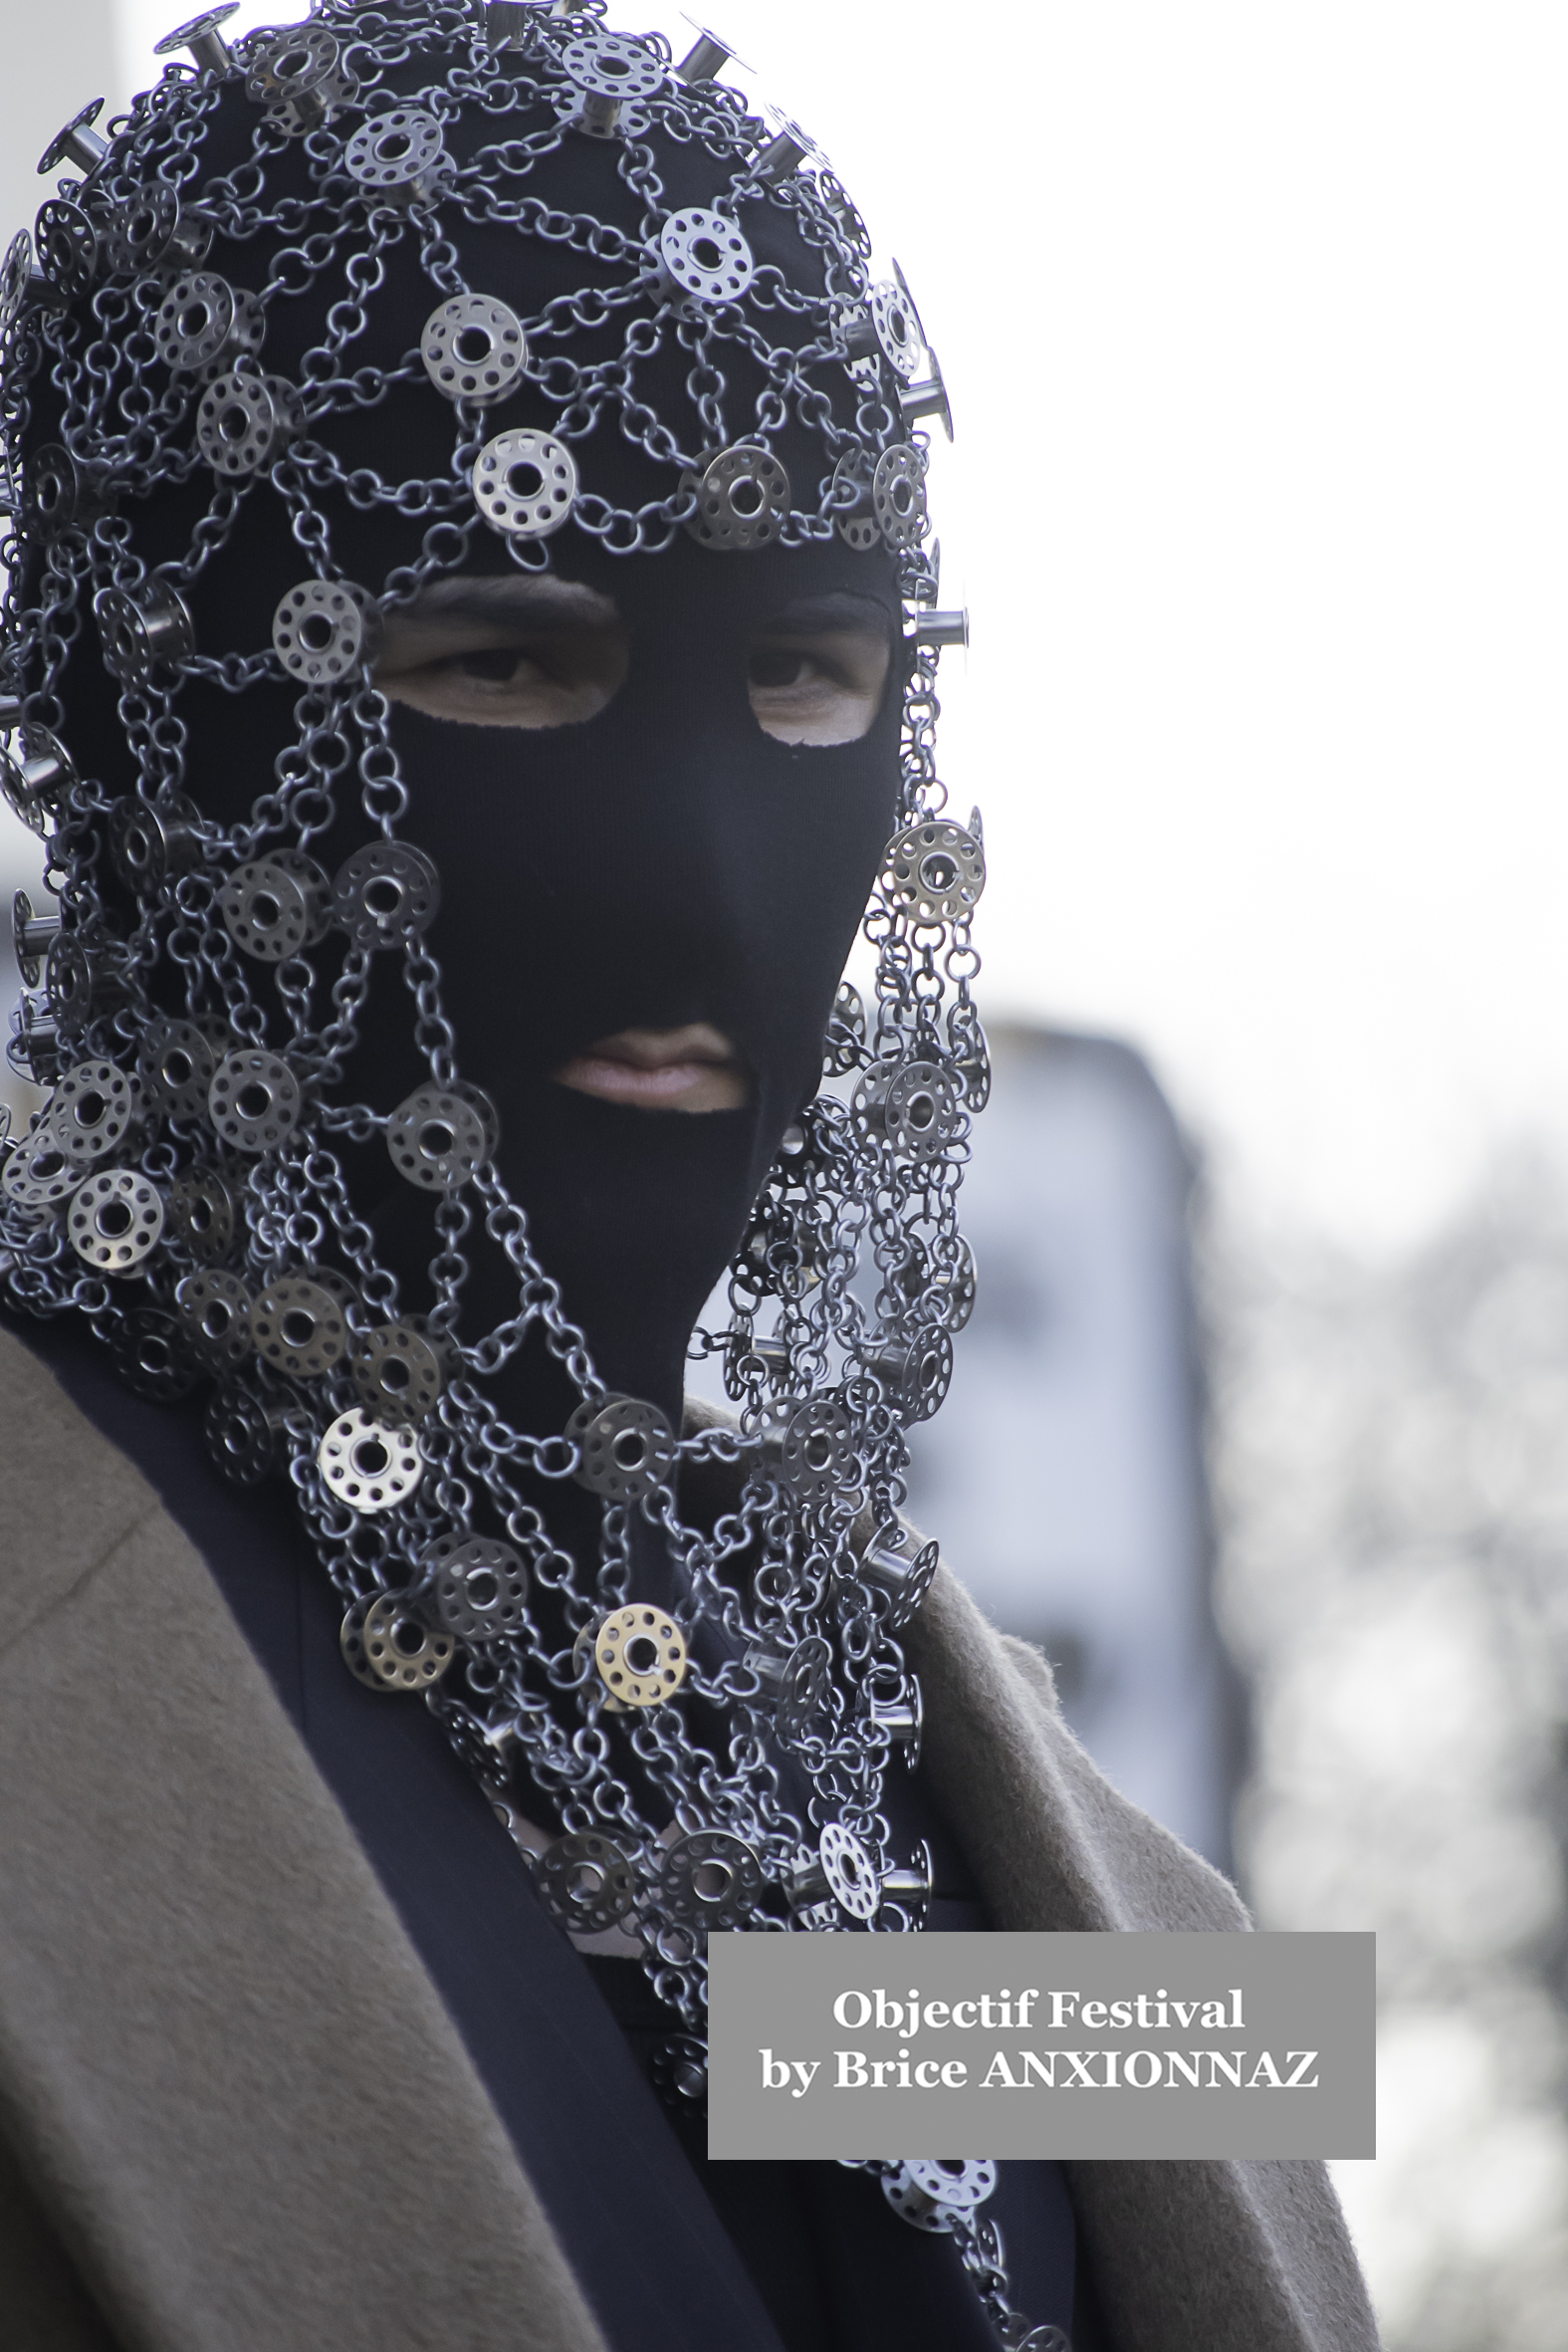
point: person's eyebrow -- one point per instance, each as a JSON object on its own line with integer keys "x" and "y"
{"x": 549, "y": 600}
{"x": 837, "y": 611}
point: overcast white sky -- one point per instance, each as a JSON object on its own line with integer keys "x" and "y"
{"x": 1253, "y": 320}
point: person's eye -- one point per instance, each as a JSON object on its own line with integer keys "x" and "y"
{"x": 778, "y": 666}
{"x": 819, "y": 686}
{"x": 493, "y": 676}
{"x": 498, "y": 663}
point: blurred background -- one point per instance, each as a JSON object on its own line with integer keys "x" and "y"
{"x": 1254, "y": 322}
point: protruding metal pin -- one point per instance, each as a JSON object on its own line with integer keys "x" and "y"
{"x": 914, "y": 1883}
{"x": 78, "y": 144}
{"x": 209, "y": 51}
{"x": 506, "y": 20}
{"x": 927, "y": 398}
{"x": 786, "y": 150}
{"x": 31, "y": 938}
{"x": 902, "y": 1723}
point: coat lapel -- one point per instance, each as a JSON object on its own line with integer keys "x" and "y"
{"x": 218, "y": 2045}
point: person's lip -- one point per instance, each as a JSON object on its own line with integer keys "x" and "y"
{"x": 692, "y": 1069}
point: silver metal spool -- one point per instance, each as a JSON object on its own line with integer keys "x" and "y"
{"x": 858, "y": 525}
{"x": 368, "y": 1465}
{"x": 78, "y": 144}
{"x": 70, "y": 252}
{"x": 939, "y": 629}
{"x": 474, "y": 348}
{"x": 38, "y": 1177}
{"x": 793, "y": 1681}
{"x": 641, "y": 1655}
{"x": 525, "y": 483}
{"x": 17, "y": 280}
{"x": 115, "y": 1220}
{"x": 32, "y": 936}
{"x": 176, "y": 1060}
{"x": 274, "y": 907}
{"x": 841, "y": 1871}
{"x": 255, "y": 1101}
{"x": 148, "y": 225}
{"x": 205, "y": 322}
{"x": 150, "y": 1354}
{"x": 203, "y": 1212}
{"x": 476, "y": 1586}
{"x": 611, "y": 66}
{"x": 922, "y": 1111}
{"x": 246, "y": 422}
{"x": 386, "y": 895}
{"x": 704, "y": 255}
{"x": 932, "y": 2195}
{"x": 898, "y": 495}
{"x": 509, "y": 23}
{"x": 438, "y": 1135}
{"x": 902, "y": 1577}
{"x": 209, "y": 51}
{"x": 743, "y": 498}
{"x": 299, "y": 1326}
{"x": 154, "y": 843}
{"x": 915, "y": 1375}
{"x": 786, "y": 150}
{"x": 400, "y": 1649}
{"x": 710, "y": 1879}
{"x": 912, "y": 1884}
{"x": 60, "y": 493}
{"x": 245, "y": 1433}
{"x": 214, "y": 1311}
{"x": 707, "y": 56}
{"x": 93, "y": 1110}
{"x": 818, "y": 1458}
{"x": 85, "y": 979}
{"x": 928, "y": 398}
{"x": 902, "y": 1722}
{"x": 141, "y": 629}
{"x": 34, "y": 1042}
{"x": 36, "y": 786}
{"x": 300, "y": 77}
{"x": 934, "y": 871}
{"x": 325, "y": 630}
{"x": 896, "y": 324}
{"x": 399, "y": 1374}
{"x": 586, "y": 1882}
{"x": 398, "y": 158}
{"x": 955, "y": 1287}
{"x": 627, "y": 1449}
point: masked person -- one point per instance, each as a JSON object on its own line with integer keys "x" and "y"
{"x": 471, "y": 647}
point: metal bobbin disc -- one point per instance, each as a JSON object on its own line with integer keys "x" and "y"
{"x": 923, "y": 1110}
{"x": 275, "y": 906}
{"x": 299, "y": 76}
{"x": 214, "y": 1311}
{"x": 817, "y": 1460}
{"x": 898, "y": 495}
{"x": 902, "y": 1577}
{"x": 398, "y": 1374}
{"x": 176, "y": 1061}
{"x": 954, "y": 1287}
{"x": 299, "y": 1326}
{"x": 60, "y": 494}
{"x": 794, "y": 1684}
{"x": 244, "y": 1433}
{"x": 201, "y": 320}
{"x": 67, "y": 248}
{"x": 385, "y": 894}
{"x": 38, "y": 1177}
{"x": 36, "y": 786}
{"x": 627, "y": 1449}
{"x": 743, "y": 498}
{"x": 398, "y": 158}
{"x": 203, "y": 1212}
{"x": 149, "y": 1353}
{"x": 115, "y": 1220}
{"x": 474, "y": 348}
{"x": 400, "y": 1649}
{"x": 476, "y": 1586}
{"x": 153, "y": 841}
{"x": 898, "y": 328}
{"x": 851, "y": 1871}
{"x": 710, "y": 1879}
{"x": 199, "y": 30}
{"x": 586, "y": 1882}
{"x": 934, "y": 871}
{"x": 915, "y": 1376}
{"x": 139, "y": 631}
{"x": 705, "y": 255}
{"x": 93, "y": 1110}
{"x": 245, "y": 423}
{"x": 254, "y": 1101}
{"x": 439, "y": 1135}
{"x": 611, "y": 64}
{"x": 641, "y": 1656}
{"x": 858, "y": 525}
{"x": 368, "y": 1465}
{"x": 325, "y": 630}
{"x": 525, "y": 483}
{"x": 932, "y": 2194}
{"x": 16, "y": 280}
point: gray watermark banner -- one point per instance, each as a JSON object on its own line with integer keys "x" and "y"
{"x": 1109, "y": 2045}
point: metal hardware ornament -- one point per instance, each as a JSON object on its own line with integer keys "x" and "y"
{"x": 367, "y": 1464}
{"x": 115, "y": 1220}
{"x": 641, "y": 1656}
{"x": 525, "y": 484}
{"x": 474, "y": 348}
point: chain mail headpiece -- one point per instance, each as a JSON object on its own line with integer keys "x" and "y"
{"x": 195, "y": 1001}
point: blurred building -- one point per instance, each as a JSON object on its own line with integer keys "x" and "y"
{"x": 1064, "y": 1476}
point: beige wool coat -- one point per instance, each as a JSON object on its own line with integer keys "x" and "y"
{"x": 234, "y": 2115}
